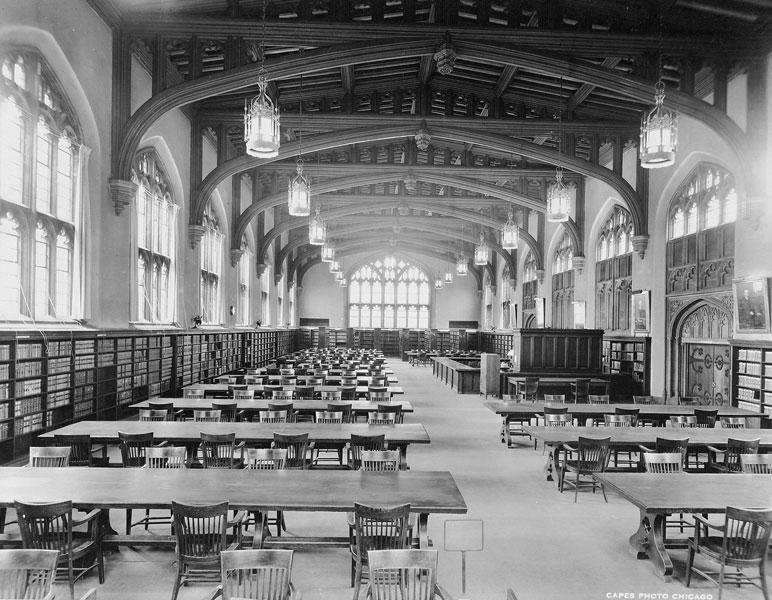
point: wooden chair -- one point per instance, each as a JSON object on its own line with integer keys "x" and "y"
{"x": 683, "y": 421}
{"x": 362, "y": 443}
{"x": 634, "y": 414}
{"x": 288, "y": 380}
{"x": 49, "y": 527}
{"x": 376, "y": 528}
{"x": 688, "y": 401}
{"x": 591, "y": 456}
{"x": 286, "y": 406}
{"x": 331, "y": 396}
{"x": 298, "y": 448}
{"x": 617, "y": 420}
{"x": 581, "y": 390}
{"x": 206, "y": 416}
{"x": 226, "y": 379}
{"x": 272, "y": 416}
{"x": 404, "y": 574}
{"x": 598, "y": 399}
{"x": 152, "y": 415}
{"x": 282, "y": 395}
{"x": 168, "y": 407}
{"x": 244, "y": 394}
{"x": 555, "y": 398}
{"x": 304, "y": 392}
{"x": 348, "y": 393}
{"x": 663, "y": 462}
{"x": 733, "y": 423}
{"x": 49, "y": 456}
{"x": 742, "y": 544}
{"x": 528, "y": 390}
{"x": 379, "y": 418}
{"x": 229, "y": 412}
{"x": 669, "y": 446}
{"x": 396, "y": 409}
{"x": 555, "y": 410}
{"x": 558, "y": 420}
{"x": 326, "y": 416}
{"x": 28, "y": 574}
{"x": 731, "y": 455}
{"x": 706, "y": 418}
{"x": 256, "y": 575}
{"x": 166, "y": 457}
{"x": 266, "y": 459}
{"x": 82, "y": 453}
{"x": 643, "y": 399}
{"x": 344, "y": 407}
{"x": 193, "y": 393}
{"x": 759, "y": 464}
{"x": 218, "y": 451}
{"x": 380, "y": 460}
{"x": 382, "y": 396}
{"x": 201, "y": 533}
{"x": 133, "y": 447}
{"x": 254, "y": 380}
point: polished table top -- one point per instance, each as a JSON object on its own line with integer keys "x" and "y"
{"x": 334, "y": 491}
{"x": 555, "y": 379}
{"x": 261, "y": 433}
{"x": 661, "y": 410}
{"x": 692, "y": 493}
{"x": 698, "y": 436}
{"x": 223, "y": 387}
{"x": 328, "y": 379}
{"x": 304, "y": 406}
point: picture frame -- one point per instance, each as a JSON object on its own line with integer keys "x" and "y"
{"x": 751, "y": 305}
{"x": 640, "y": 312}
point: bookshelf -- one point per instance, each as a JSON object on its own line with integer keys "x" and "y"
{"x": 629, "y": 356}
{"x": 752, "y": 377}
{"x": 52, "y": 379}
{"x": 497, "y": 342}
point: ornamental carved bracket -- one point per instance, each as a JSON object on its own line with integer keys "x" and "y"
{"x": 578, "y": 263}
{"x": 640, "y": 244}
{"x": 195, "y": 233}
{"x": 122, "y": 193}
{"x": 260, "y": 269}
{"x": 236, "y": 254}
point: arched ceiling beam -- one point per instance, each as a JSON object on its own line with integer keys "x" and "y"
{"x": 336, "y": 213}
{"x": 333, "y": 58}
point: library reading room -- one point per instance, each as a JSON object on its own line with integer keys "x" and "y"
{"x": 385, "y": 299}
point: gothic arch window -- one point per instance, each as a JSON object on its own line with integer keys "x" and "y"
{"x": 389, "y": 293}
{"x": 211, "y": 268}
{"x": 40, "y": 160}
{"x": 156, "y": 215}
{"x": 701, "y": 217}
{"x": 530, "y": 282}
{"x": 506, "y": 299}
{"x": 563, "y": 284}
{"x": 613, "y": 271}
{"x": 245, "y": 266}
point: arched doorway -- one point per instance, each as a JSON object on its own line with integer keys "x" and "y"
{"x": 703, "y": 352}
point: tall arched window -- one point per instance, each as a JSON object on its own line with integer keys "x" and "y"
{"x": 613, "y": 271}
{"x": 211, "y": 268}
{"x": 245, "y": 263}
{"x": 700, "y": 249}
{"x": 156, "y": 240}
{"x": 563, "y": 284}
{"x": 530, "y": 282}
{"x": 389, "y": 293}
{"x": 506, "y": 300}
{"x": 40, "y": 158}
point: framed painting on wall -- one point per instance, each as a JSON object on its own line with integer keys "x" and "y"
{"x": 640, "y": 312}
{"x": 751, "y": 301}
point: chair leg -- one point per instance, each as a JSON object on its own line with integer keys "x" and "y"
{"x": 689, "y": 563}
{"x": 128, "y": 521}
{"x": 721, "y": 580}
{"x": 177, "y": 580}
{"x": 357, "y": 579}
{"x": 602, "y": 489}
{"x": 763, "y": 582}
{"x": 576, "y": 487}
{"x": 147, "y": 518}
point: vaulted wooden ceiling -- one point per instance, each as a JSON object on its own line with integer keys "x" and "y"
{"x": 694, "y": 44}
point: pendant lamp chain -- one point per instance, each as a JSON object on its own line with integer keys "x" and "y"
{"x": 558, "y": 195}
{"x": 299, "y": 186}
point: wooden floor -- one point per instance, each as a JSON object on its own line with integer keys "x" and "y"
{"x": 537, "y": 541}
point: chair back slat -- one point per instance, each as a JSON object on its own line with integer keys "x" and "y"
{"x": 166, "y": 457}
{"x": 402, "y": 574}
{"x": 265, "y": 459}
{"x": 663, "y": 462}
{"x": 331, "y": 396}
{"x": 633, "y": 412}
{"x": 218, "y": 450}
{"x": 228, "y": 411}
{"x": 706, "y": 417}
{"x": 683, "y": 421}
{"x": 167, "y": 407}
{"x": 326, "y": 416}
{"x": 152, "y": 415}
{"x": 80, "y": 448}
{"x": 759, "y": 464}
{"x": 735, "y": 448}
{"x": 272, "y": 416}
{"x": 598, "y": 399}
{"x": 27, "y": 574}
{"x": 49, "y": 456}
{"x": 244, "y": 394}
{"x": 46, "y": 526}
{"x": 669, "y": 445}
{"x": 193, "y": 393}
{"x": 200, "y": 530}
{"x": 594, "y": 453}
{"x": 296, "y": 446}
{"x": 380, "y": 528}
{"x": 206, "y": 416}
{"x": 380, "y": 460}
{"x": 282, "y": 395}
{"x": 361, "y": 443}
{"x": 733, "y": 423}
{"x": 132, "y": 446}
{"x": 555, "y": 399}
{"x": 559, "y": 420}
{"x": 618, "y": 420}
{"x": 746, "y": 534}
{"x": 256, "y": 574}
{"x": 380, "y": 418}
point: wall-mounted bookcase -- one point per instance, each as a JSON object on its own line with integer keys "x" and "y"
{"x": 752, "y": 376}
{"x": 52, "y": 379}
{"x": 629, "y": 356}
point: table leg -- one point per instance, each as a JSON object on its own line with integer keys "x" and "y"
{"x": 260, "y": 534}
{"x": 553, "y": 460}
{"x": 423, "y": 530}
{"x": 3, "y": 512}
{"x": 649, "y": 542}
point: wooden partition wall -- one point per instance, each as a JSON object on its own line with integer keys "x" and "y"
{"x": 565, "y": 351}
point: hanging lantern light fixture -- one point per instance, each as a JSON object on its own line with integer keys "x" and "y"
{"x": 448, "y": 275}
{"x": 558, "y": 199}
{"x": 438, "y": 283}
{"x": 299, "y": 186}
{"x": 339, "y": 276}
{"x": 328, "y": 252}
{"x": 317, "y": 230}
{"x": 462, "y": 265}
{"x": 261, "y": 116}
{"x": 445, "y": 57}
{"x": 510, "y": 232}
{"x": 659, "y": 133}
{"x": 343, "y": 283}
{"x": 482, "y": 252}
{"x": 422, "y": 137}
{"x": 334, "y": 267}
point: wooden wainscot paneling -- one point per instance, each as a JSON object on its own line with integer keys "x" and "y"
{"x": 558, "y": 350}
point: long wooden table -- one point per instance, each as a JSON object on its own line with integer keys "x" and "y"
{"x": 188, "y": 433}
{"x": 623, "y": 438}
{"x": 658, "y": 414}
{"x": 658, "y": 496}
{"x": 328, "y": 379}
{"x": 214, "y": 389}
{"x": 306, "y": 407}
{"x": 459, "y": 376}
{"x": 427, "y": 492}
{"x": 555, "y": 383}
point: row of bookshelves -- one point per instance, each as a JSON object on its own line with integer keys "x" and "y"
{"x": 752, "y": 380}
{"x": 629, "y": 356}
{"x": 47, "y": 381}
